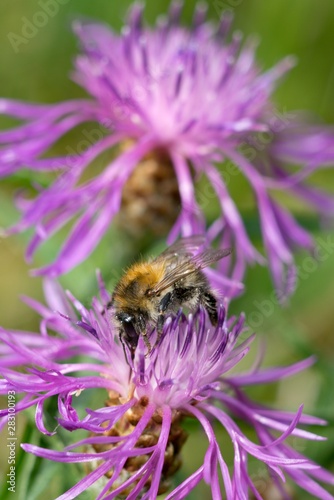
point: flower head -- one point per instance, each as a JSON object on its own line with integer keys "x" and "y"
{"x": 135, "y": 439}
{"x": 191, "y": 99}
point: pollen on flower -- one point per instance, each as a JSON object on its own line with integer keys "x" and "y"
{"x": 125, "y": 426}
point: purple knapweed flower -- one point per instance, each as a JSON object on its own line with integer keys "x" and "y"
{"x": 191, "y": 99}
{"x": 135, "y": 439}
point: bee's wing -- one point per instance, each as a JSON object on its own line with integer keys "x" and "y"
{"x": 188, "y": 266}
{"x": 182, "y": 247}
{"x": 210, "y": 256}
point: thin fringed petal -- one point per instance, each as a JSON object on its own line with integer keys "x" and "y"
{"x": 305, "y": 144}
{"x": 213, "y": 449}
{"x": 192, "y": 217}
{"x": 183, "y": 490}
{"x": 270, "y": 375}
{"x": 95, "y": 221}
{"x": 39, "y": 419}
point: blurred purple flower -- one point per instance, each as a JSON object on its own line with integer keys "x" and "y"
{"x": 135, "y": 440}
{"x": 200, "y": 99}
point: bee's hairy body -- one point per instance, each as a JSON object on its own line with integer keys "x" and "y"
{"x": 148, "y": 291}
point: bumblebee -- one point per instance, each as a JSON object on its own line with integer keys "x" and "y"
{"x": 149, "y": 291}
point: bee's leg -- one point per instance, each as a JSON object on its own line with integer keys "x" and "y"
{"x": 165, "y": 302}
{"x": 210, "y": 304}
{"x": 147, "y": 343}
{"x": 142, "y": 329}
{"x": 160, "y": 325}
{"x": 121, "y": 338}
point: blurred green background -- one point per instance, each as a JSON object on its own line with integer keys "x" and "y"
{"x": 39, "y": 71}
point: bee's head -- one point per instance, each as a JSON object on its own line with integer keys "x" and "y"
{"x": 129, "y": 333}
